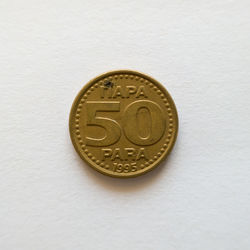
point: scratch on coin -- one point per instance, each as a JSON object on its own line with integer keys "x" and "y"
{"x": 109, "y": 84}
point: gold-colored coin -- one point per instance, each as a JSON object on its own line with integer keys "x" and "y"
{"x": 123, "y": 123}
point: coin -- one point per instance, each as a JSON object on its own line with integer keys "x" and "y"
{"x": 123, "y": 123}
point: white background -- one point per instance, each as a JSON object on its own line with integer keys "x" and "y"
{"x": 199, "y": 198}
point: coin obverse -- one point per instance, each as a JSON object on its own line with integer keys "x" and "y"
{"x": 123, "y": 123}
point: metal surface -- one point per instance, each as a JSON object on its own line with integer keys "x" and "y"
{"x": 123, "y": 123}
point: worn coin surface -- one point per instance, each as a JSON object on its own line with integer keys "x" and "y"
{"x": 123, "y": 123}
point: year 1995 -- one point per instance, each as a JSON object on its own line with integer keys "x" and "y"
{"x": 124, "y": 168}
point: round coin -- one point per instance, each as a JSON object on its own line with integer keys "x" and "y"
{"x": 123, "y": 123}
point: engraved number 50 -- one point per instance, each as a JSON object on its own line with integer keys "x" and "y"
{"x": 129, "y": 122}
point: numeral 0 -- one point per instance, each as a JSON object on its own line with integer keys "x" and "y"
{"x": 129, "y": 122}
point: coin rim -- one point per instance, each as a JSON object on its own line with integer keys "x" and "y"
{"x": 90, "y": 84}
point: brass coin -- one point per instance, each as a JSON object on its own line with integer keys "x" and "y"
{"x": 123, "y": 123}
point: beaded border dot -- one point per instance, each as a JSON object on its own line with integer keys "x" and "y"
{"x": 139, "y": 79}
